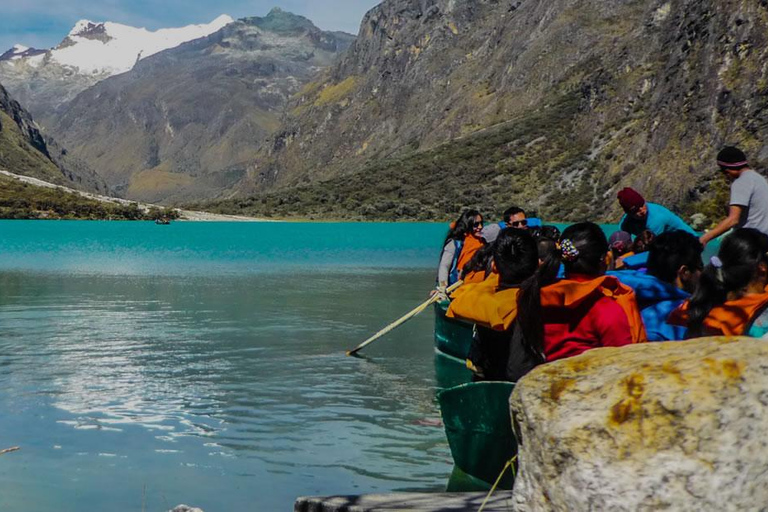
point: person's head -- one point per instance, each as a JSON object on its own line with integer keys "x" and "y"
{"x": 515, "y": 256}
{"x": 620, "y": 243}
{"x": 516, "y": 259}
{"x": 481, "y": 260}
{"x": 633, "y": 203}
{"x": 547, "y": 238}
{"x": 583, "y": 251}
{"x": 732, "y": 161}
{"x": 515, "y": 217}
{"x": 469, "y": 222}
{"x": 675, "y": 258}
{"x": 643, "y": 241}
{"x": 740, "y": 267}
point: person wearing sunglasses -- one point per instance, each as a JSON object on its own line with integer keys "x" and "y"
{"x": 513, "y": 217}
{"x": 641, "y": 216}
{"x": 748, "y": 206}
{"x": 463, "y": 240}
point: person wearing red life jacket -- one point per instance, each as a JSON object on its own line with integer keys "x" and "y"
{"x": 586, "y": 309}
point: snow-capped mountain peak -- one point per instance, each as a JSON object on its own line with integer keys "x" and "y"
{"x": 107, "y": 48}
{"x": 19, "y": 51}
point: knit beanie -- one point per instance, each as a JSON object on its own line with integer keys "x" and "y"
{"x": 731, "y": 158}
{"x": 630, "y": 199}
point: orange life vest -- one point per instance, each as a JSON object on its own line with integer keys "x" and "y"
{"x": 474, "y": 277}
{"x": 471, "y": 245}
{"x": 484, "y": 304}
{"x": 729, "y": 319}
{"x": 569, "y": 293}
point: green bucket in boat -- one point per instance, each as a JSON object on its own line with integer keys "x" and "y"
{"x": 479, "y": 432}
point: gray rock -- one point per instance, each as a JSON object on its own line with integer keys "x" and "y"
{"x": 659, "y": 426}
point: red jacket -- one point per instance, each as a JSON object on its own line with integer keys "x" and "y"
{"x": 582, "y": 313}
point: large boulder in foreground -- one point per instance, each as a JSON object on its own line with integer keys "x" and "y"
{"x": 676, "y": 426}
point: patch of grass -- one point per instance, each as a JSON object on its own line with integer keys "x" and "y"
{"x": 19, "y": 200}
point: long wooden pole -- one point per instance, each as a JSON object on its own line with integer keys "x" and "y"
{"x": 400, "y": 321}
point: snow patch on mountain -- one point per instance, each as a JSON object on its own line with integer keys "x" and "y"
{"x": 19, "y": 51}
{"x": 107, "y": 48}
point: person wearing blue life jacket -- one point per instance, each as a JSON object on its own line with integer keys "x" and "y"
{"x": 513, "y": 217}
{"x": 674, "y": 267}
{"x": 640, "y": 216}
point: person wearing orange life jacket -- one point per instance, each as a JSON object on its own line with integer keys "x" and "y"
{"x": 462, "y": 241}
{"x": 505, "y": 345}
{"x": 731, "y": 297}
{"x": 586, "y": 309}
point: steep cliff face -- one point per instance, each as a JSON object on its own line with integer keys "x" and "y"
{"x": 592, "y": 95}
{"x": 185, "y": 123}
{"x": 25, "y": 150}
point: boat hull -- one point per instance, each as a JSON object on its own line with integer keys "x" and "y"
{"x": 453, "y": 338}
{"x": 479, "y": 431}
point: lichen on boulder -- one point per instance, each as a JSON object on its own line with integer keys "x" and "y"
{"x": 678, "y": 426}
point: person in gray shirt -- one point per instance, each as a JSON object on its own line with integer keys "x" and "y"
{"x": 749, "y": 195}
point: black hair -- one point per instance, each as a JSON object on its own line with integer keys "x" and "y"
{"x": 516, "y": 257}
{"x": 481, "y": 260}
{"x": 590, "y": 243}
{"x": 740, "y": 254}
{"x": 672, "y": 250}
{"x": 732, "y": 155}
{"x": 643, "y": 241}
{"x": 512, "y": 210}
{"x": 463, "y": 225}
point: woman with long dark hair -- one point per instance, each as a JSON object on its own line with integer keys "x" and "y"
{"x": 731, "y": 293}
{"x": 586, "y": 309}
{"x": 461, "y": 243}
{"x": 507, "y": 342}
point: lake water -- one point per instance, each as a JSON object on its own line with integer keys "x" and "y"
{"x": 143, "y": 366}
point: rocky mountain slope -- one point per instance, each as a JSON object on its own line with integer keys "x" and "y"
{"x": 43, "y": 80}
{"x": 26, "y": 151}
{"x": 553, "y": 104}
{"x": 186, "y": 123}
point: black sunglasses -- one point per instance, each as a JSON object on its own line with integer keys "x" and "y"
{"x": 519, "y": 223}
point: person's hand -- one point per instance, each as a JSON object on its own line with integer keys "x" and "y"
{"x": 440, "y": 292}
{"x": 703, "y": 240}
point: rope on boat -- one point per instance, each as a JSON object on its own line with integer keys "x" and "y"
{"x": 510, "y": 464}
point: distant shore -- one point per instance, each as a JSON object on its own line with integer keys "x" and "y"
{"x": 185, "y": 215}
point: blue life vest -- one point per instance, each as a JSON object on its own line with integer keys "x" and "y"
{"x": 453, "y": 277}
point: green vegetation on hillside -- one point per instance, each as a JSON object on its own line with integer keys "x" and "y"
{"x": 18, "y": 154}
{"x": 490, "y": 170}
{"x": 19, "y": 200}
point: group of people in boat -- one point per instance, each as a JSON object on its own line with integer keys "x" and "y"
{"x": 538, "y": 295}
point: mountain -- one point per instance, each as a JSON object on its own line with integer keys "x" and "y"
{"x": 26, "y": 151}
{"x": 551, "y": 104}
{"x": 43, "y": 80}
{"x": 187, "y": 122}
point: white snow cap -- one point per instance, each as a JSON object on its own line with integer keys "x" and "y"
{"x": 124, "y": 45}
{"x": 19, "y": 48}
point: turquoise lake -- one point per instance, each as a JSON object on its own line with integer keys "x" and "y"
{"x": 203, "y": 363}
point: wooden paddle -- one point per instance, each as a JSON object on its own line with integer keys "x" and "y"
{"x": 397, "y": 323}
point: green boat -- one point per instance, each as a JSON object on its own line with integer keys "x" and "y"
{"x": 479, "y": 432}
{"x": 452, "y": 337}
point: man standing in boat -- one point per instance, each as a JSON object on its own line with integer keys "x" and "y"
{"x": 748, "y": 206}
